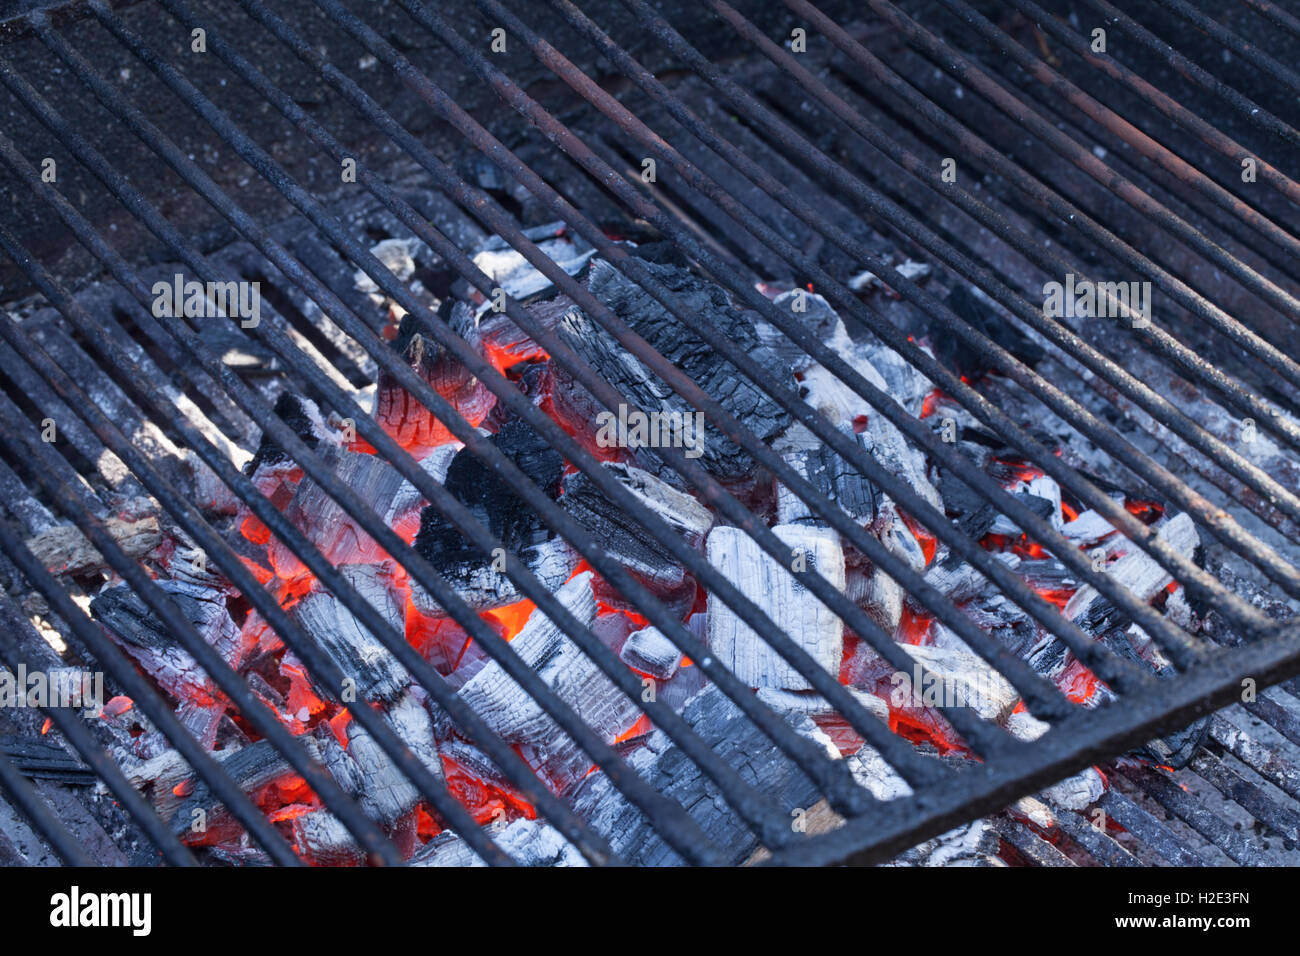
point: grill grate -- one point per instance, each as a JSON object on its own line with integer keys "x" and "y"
{"x": 1209, "y": 676}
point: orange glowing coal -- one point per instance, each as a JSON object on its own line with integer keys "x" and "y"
{"x": 511, "y": 618}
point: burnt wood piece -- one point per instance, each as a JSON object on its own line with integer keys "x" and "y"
{"x": 622, "y": 535}
{"x": 325, "y": 841}
{"x": 792, "y": 607}
{"x": 377, "y": 674}
{"x": 143, "y": 636}
{"x": 476, "y": 576}
{"x": 413, "y": 426}
{"x": 731, "y": 735}
{"x": 576, "y": 680}
{"x": 835, "y": 479}
{"x": 65, "y": 550}
{"x": 528, "y": 842}
{"x": 366, "y": 772}
{"x": 301, "y": 415}
{"x": 251, "y": 767}
{"x": 683, "y": 348}
{"x": 42, "y": 759}
{"x": 650, "y": 652}
{"x": 327, "y": 524}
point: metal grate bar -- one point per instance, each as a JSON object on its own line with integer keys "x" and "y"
{"x": 79, "y": 737}
{"x": 952, "y": 385}
{"x": 432, "y": 682}
{"x": 543, "y": 597}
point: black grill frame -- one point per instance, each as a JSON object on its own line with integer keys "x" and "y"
{"x": 1211, "y": 677}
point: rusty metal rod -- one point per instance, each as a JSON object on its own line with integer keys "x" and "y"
{"x": 973, "y": 75}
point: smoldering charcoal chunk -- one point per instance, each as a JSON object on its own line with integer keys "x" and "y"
{"x": 792, "y": 607}
{"x": 622, "y": 535}
{"x": 480, "y": 489}
{"x": 366, "y": 772}
{"x": 650, "y": 652}
{"x": 300, "y": 415}
{"x": 251, "y": 767}
{"x": 157, "y": 650}
{"x": 356, "y": 651}
{"x": 832, "y": 477}
{"x": 323, "y": 519}
{"x": 733, "y": 737}
{"x": 682, "y": 347}
{"x": 510, "y": 711}
{"x": 476, "y": 576}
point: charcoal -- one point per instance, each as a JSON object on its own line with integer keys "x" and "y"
{"x": 322, "y": 519}
{"x": 903, "y": 381}
{"x": 303, "y": 417}
{"x": 325, "y": 841}
{"x": 972, "y": 844}
{"x": 404, "y": 512}
{"x": 962, "y": 358}
{"x": 1073, "y": 793}
{"x": 736, "y": 741}
{"x": 358, "y": 654}
{"x": 793, "y": 608}
{"x": 1043, "y": 507}
{"x": 817, "y": 317}
{"x": 528, "y": 842}
{"x": 871, "y": 772}
{"x": 509, "y": 270}
{"x": 475, "y": 576}
{"x": 833, "y": 478}
{"x": 650, "y": 652}
{"x": 744, "y": 399}
{"x": 63, "y": 549}
{"x": 623, "y": 537}
{"x": 576, "y": 680}
{"x": 39, "y": 758}
{"x": 1087, "y": 529}
{"x": 974, "y": 516}
{"x": 400, "y": 414}
{"x": 815, "y": 705}
{"x": 876, "y": 593}
{"x": 961, "y": 581}
{"x": 156, "y": 649}
{"x": 366, "y": 772}
{"x": 1138, "y": 572}
{"x": 955, "y": 676}
{"x": 251, "y": 767}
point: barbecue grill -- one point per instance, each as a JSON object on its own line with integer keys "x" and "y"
{"x": 745, "y": 192}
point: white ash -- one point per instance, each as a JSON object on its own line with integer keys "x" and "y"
{"x": 326, "y": 841}
{"x": 878, "y": 594}
{"x": 1087, "y": 529}
{"x": 815, "y": 705}
{"x": 909, "y": 269}
{"x": 973, "y": 844}
{"x": 870, "y": 770}
{"x": 957, "y": 677}
{"x": 398, "y": 257}
{"x": 509, "y": 270}
{"x": 736, "y": 741}
{"x": 792, "y": 607}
